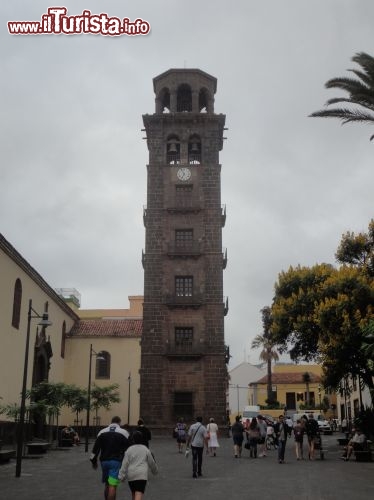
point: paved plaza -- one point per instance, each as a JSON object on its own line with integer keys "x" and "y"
{"x": 68, "y": 475}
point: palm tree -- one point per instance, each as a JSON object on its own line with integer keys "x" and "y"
{"x": 360, "y": 93}
{"x": 306, "y": 380}
{"x": 268, "y": 353}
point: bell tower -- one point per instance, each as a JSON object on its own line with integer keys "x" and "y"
{"x": 183, "y": 365}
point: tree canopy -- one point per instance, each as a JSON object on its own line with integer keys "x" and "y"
{"x": 323, "y": 313}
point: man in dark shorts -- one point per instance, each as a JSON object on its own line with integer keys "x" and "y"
{"x": 312, "y": 431}
{"x": 237, "y": 431}
{"x": 111, "y": 444}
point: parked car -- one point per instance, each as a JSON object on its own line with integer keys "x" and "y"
{"x": 324, "y": 425}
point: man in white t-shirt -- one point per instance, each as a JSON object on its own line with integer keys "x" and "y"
{"x": 197, "y": 437}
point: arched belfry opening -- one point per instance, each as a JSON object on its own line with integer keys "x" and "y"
{"x": 173, "y": 150}
{"x": 204, "y": 101}
{"x": 184, "y": 98}
{"x": 194, "y": 150}
{"x": 165, "y": 100}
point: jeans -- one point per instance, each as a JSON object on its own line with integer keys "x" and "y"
{"x": 197, "y": 459}
{"x": 281, "y": 449}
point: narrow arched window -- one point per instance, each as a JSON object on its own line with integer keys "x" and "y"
{"x": 165, "y": 100}
{"x": 103, "y": 365}
{"x": 194, "y": 150}
{"x": 173, "y": 150}
{"x": 203, "y": 101}
{"x": 17, "y": 300}
{"x": 184, "y": 98}
{"x": 63, "y": 339}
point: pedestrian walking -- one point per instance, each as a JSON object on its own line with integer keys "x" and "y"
{"x": 197, "y": 436}
{"x": 280, "y": 429}
{"x": 237, "y": 431}
{"x": 135, "y": 466}
{"x": 298, "y": 432}
{"x": 144, "y": 431}
{"x": 212, "y": 444}
{"x": 262, "y": 425}
{"x": 111, "y": 444}
{"x": 253, "y": 437}
{"x": 312, "y": 431}
{"x": 181, "y": 434}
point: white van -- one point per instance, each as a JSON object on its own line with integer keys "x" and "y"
{"x": 250, "y": 412}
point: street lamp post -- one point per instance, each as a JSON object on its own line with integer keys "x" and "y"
{"x": 319, "y": 396}
{"x": 98, "y": 356}
{"x": 128, "y": 402}
{"x": 21, "y": 424}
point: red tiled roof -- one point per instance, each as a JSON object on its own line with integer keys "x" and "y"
{"x": 288, "y": 378}
{"x": 131, "y": 328}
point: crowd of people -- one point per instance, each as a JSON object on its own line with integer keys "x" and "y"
{"x": 124, "y": 455}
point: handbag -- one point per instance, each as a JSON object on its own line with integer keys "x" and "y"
{"x": 247, "y": 446}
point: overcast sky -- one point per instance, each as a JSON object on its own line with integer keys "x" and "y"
{"x": 73, "y": 175}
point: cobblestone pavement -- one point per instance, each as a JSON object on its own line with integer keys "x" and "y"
{"x": 68, "y": 475}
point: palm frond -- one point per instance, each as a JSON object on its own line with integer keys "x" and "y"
{"x": 344, "y": 114}
{"x": 350, "y": 85}
{"x": 364, "y": 77}
{"x": 366, "y": 62}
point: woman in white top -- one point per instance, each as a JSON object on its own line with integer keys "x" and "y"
{"x": 136, "y": 462}
{"x": 212, "y": 444}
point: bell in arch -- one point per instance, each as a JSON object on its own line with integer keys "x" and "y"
{"x": 195, "y": 147}
{"x": 172, "y": 147}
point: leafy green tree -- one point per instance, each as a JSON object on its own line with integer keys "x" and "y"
{"x": 104, "y": 397}
{"x": 320, "y": 312}
{"x": 358, "y": 250}
{"x": 360, "y": 92}
{"x": 367, "y": 347}
{"x": 269, "y": 352}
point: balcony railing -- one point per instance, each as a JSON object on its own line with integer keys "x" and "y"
{"x": 225, "y": 306}
{"x": 224, "y": 258}
{"x": 173, "y": 158}
{"x": 145, "y": 215}
{"x": 184, "y": 203}
{"x": 223, "y": 215}
{"x": 188, "y": 249}
{"x": 181, "y": 351}
{"x": 194, "y": 158}
{"x": 184, "y": 301}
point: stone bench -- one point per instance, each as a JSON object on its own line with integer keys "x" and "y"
{"x": 66, "y": 442}
{"x": 37, "y": 447}
{"x": 363, "y": 455}
{"x": 6, "y": 455}
{"x": 343, "y": 441}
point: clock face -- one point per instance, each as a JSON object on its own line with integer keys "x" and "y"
{"x": 184, "y": 174}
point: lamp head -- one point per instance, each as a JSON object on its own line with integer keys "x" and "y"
{"x": 44, "y": 322}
